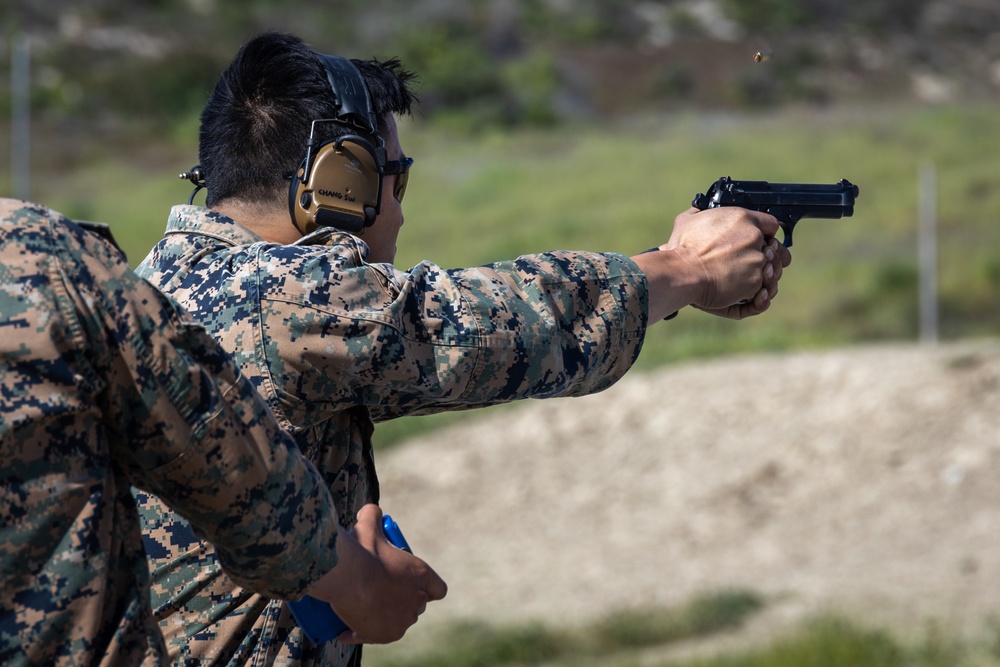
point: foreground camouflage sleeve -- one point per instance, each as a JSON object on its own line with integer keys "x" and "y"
{"x": 103, "y": 383}
{"x": 211, "y": 448}
{"x": 240, "y": 481}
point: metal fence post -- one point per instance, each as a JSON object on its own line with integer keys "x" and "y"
{"x": 927, "y": 249}
{"x": 20, "y": 140}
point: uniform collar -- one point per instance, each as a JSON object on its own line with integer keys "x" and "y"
{"x": 188, "y": 219}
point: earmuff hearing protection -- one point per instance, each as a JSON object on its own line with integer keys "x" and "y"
{"x": 339, "y": 183}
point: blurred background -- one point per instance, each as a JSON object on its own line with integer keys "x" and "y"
{"x": 580, "y": 124}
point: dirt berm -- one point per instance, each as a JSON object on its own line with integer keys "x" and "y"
{"x": 864, "y": 480}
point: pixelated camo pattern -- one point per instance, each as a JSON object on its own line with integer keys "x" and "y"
{"x": 333, "y": 343}
{"x": 104, "y": 384}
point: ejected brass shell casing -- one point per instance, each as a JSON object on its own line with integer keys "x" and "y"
{"x": 762, "y": 56}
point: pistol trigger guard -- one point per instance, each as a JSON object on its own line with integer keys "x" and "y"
{"x": 787, "y": 228}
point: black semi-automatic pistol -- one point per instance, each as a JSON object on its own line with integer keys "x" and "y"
{"x": 788, "y": 202}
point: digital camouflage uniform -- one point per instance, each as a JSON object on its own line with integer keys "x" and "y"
{"x": 104, "y": 384}
{"x": 332, "y": 343}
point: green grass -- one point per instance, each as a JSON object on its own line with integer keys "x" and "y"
{"x": 652, "y": 637}
{"x": 475, "y": 199}
{"x": 618, "y": 189}
{"x": 477, "y": 644}
{"x": 833, "y": 641}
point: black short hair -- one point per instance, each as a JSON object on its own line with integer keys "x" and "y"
{"x": 256, "y": 123}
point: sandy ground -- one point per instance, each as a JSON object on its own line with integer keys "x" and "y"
{"x": 864, "y": 479}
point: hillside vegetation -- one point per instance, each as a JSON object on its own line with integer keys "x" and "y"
{"x": 515, "y": 62}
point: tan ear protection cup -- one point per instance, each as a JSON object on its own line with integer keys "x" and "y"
{"x": 342, "y": 189}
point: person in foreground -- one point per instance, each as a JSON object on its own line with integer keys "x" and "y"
{"x": 290, "y": 266}
{"x": 105, "y": 383}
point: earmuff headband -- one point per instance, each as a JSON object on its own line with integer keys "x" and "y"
{"x": 353, "y": 103}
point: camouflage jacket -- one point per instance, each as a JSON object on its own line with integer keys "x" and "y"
{"x": 334, "y": 343}
{"x": 104, "y": 384}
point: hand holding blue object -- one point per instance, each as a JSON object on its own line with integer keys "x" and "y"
{"x": 317, "y": 619}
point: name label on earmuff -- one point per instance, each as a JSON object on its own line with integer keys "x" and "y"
{"x": 336, "y": 195}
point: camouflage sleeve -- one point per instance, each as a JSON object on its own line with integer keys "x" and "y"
{"x": 430, "y": 339}
{"x": 555, "y": 324}
{"x": 213, "y": 450}
{"x": 186, "y": 425}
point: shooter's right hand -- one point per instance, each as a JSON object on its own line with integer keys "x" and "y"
{"x": 721, "y": 260}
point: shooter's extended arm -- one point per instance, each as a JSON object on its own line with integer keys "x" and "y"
{"x": 788, "y": 202}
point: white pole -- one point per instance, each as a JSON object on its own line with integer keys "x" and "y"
{"x": 928, "y": 254}
{"x": 20, "y": 144}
